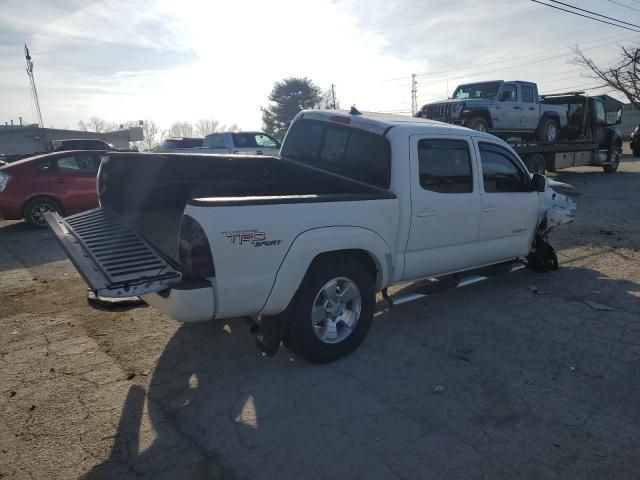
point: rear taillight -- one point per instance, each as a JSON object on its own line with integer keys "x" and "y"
{"x": 194, "y": 251}
{"x": 4, "y": 179}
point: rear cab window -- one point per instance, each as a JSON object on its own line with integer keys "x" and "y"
{"x": 340, "y": 149}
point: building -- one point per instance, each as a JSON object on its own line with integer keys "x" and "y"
{"x": 21, "y": 140}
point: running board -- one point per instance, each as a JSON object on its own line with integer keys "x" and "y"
{"x": 455, "y": 282}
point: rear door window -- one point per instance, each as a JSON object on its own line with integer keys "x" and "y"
{"x": 527, "y": 93}
{"x": 445, "y": 166}
{"x": 81, "y": 164}
{"x": 266, "y": 141}
{"x": 215, "y": 141}
{"x": 348, "y": 151}
{"x": 244, "y": 140}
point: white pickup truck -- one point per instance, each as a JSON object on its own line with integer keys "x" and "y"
{"x": 236, "y": 143}
{"x": 302, "y": 243}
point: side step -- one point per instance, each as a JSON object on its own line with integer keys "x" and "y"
{"x": 442, "y": 284}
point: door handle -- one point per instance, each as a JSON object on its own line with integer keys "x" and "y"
{"x": 489, "y": 209}
{"x": 426, "y": 212}
{"x": 258, "y": 152}
{"x": 516, "y": 108}
{"x": 532, "y": 108}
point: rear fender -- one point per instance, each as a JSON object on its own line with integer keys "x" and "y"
{"x": 308, "y": 245}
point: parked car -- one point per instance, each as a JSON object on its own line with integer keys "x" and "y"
{"x": 80, "y": 144}
{"x": 63, "y": 182}
{"x": 171, "y": 144}
{"x": 237, "y": 143}
{"x": 635, "y": 142}
{"x": 500, "y": 107}
{"x": 300, "y": 244}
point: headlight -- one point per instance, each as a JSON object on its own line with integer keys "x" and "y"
{"x": 4, "y": 179}
{"x": 457, "y": 107}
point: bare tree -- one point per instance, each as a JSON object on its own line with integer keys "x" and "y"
{"x": 151, "y": 132}
{"x": 328, "y": 99}
{"x": 205, "y": 126}
{"x": 230, "y": 128}
{"x": 181, "y": 129}
{"x": 96, "y": 124}
{"x": 622, "y": 76}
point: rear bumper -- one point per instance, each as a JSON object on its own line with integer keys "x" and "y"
{"x": 186, "y": 301}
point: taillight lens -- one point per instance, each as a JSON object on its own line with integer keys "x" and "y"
{"x": 194, "y": 251}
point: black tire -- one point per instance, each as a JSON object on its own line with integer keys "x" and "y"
{"x": 615, "y": 152}
{"x": 535, "y": 163}
{"x": 477, "y": 123}
{"x": 301, "y": 337}
{"x": 36, "y": 207}
{"x": 548, "y": 131}
{"x": 636, "y": 153}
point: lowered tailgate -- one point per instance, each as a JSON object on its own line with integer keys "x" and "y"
{"x": 113, "y": 259}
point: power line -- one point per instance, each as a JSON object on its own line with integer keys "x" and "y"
{"x": 594, "y": 13}
{"x": 623, "y": 5}
{"x": 585, "y": 16}
{"x": 524, "y": 56}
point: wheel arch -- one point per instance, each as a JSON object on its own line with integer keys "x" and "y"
{"x": 321, "y": 244}
{"x": 548, "y": 115}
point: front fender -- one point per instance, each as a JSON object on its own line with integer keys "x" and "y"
{"x": 308, "y": 245}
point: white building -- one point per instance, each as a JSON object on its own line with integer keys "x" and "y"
{"x": 20, "y": 140}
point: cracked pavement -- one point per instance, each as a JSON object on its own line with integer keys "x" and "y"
{"x": 534, "y": 385}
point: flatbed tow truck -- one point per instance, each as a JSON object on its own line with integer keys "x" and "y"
{"x": 588, "y": 138}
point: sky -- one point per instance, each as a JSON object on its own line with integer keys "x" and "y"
{"x": 182, "y": 61}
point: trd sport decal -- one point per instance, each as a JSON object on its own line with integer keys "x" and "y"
{"x": 253, "y": 237}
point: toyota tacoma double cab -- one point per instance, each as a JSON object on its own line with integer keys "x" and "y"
{"x": 503, "y": 108}
{"x": 299, "y": 245}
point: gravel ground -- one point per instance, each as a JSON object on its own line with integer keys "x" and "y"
{"x": 499, "y": 380}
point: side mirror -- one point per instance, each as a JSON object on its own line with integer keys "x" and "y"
{"x": 538, "y": 183}
{"x": 278, "y": 144}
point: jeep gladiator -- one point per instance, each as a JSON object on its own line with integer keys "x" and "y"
{"x": 299, "y": 245}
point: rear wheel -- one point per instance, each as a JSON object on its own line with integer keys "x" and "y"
{"x": 478, "y": 124}
{"x": 535, "y": 163}
{"x": 614, "y": 159}
{"x": 548, "y": 131}
{"x": 35, "y": 210}
{"x": 332, "y": 311}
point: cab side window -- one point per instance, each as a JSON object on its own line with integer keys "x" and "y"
{"x": 500, "y": 170}
{"x": 445, "y": 166}
{"x": 527, "y": 93}
{"x": 81, "y": 163}
{"x": 510, "y": 92}
{"x": 601, "y": 114}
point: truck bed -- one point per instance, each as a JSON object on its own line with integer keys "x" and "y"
{"x": 150, "y": 191}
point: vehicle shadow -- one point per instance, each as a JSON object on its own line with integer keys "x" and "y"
{"x": 529, "y": 381}
{"x": 27, "y": 247}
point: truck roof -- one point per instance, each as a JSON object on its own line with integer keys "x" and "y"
{"x": 379, "y": 122}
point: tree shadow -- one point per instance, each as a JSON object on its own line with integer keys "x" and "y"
{"x": 521, "y": 371}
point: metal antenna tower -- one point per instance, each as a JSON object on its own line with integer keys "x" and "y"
{"x": 34, "y": 92}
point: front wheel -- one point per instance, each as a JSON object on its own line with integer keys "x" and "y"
{"x": 332, "y": 311}
{"x": 614, "y": 159}
{"x": 478, "y": 124}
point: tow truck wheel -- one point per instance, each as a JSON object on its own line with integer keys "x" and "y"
{"x": 332, "y": 311}
{"x": 478, "y": 124}
{"x": 614, "y": 159}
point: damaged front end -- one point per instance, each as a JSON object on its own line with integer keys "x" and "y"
{"x": 555, "y": 209}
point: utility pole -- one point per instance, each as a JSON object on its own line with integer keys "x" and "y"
{"x": 34, "y": 92}
{"x": 414, "y": 94}
{"x": 333, "y": 96}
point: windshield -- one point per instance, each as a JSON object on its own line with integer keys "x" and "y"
{"x": 477, "y": 90}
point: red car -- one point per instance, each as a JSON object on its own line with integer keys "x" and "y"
{"x": 64, "y": 182}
